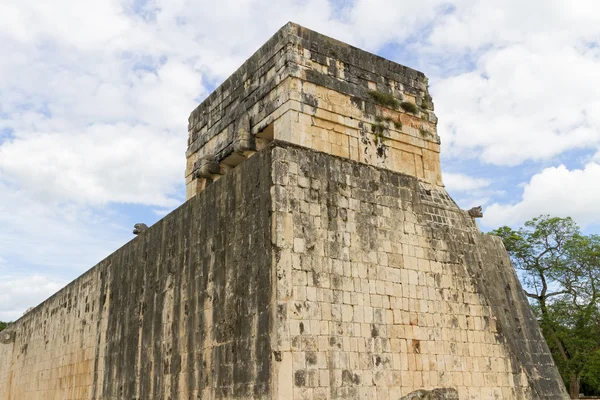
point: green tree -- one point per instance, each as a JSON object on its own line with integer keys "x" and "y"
{"x": 3, "y": 325}
{"x": 560, "y": 271}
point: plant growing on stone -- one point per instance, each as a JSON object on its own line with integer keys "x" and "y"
{"x": 384, "y": 99}
{"x": 409, "y": 107}
{"x": 426, "y": 102}
{"x": 378, "y": 130}
{"x": 379, "y": 127}
{"x": 560, "y": 271}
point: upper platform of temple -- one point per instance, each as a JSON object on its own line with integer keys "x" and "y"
{"x": 308, "y": 89}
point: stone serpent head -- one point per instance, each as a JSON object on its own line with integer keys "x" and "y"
{"x": 139, "y": 228}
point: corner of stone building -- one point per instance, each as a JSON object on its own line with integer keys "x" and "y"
{"x": 281, "y": 241}
{"x": 517, "y": 326}
{"x": 450, "y": 237}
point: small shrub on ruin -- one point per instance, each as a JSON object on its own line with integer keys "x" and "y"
{"x": 384, "y": 99}
{"x": 409, "y": 107}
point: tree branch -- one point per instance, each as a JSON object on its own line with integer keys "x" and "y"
{"x": 557, "y": 293}
{"x": 532, "y": 295}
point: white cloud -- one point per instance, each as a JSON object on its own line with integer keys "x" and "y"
{"x": 557, "y": 191}
{"x": 468, "y": 202}
{"x": 468, "y": 191}
{"x": 63, "y": 237}
{"x": 531, "y": 94}
{"x": 100, "y": 164}
{"x": 456, "y": 182}
{"x": 94, "y": 23}
{"x": 507, "y": 115}
{"x": 18, "y": 293}
{"x": 475, "y": 24}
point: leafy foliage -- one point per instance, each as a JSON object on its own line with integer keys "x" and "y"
{"x": 560, "y": 271}
{"x": 3, "y": 325}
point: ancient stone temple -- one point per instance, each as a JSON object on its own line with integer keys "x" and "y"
{"x": 318, "y": 256}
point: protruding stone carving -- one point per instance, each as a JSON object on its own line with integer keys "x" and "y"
{"x": 435, "y": 394}
{"x": 475, "y": 212}
{"x": 139, "y": 228}
{"x": 207, "y": 167}
{"x": 7, "y": 337}
{"x": 244, "y": 140}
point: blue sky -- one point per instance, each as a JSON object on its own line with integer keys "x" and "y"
{"x": 94, "y": 100}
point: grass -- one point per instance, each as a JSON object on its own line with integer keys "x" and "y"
{"x": 384, "y": 99}
{"x": 380, "y": 119}
{"x": 426, "y": 102}
{"x": 409, "y": 107}
{"x": 378, "y": 128}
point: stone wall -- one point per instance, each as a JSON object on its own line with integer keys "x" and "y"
{"x": 385, "y": 286}
{"x": 182, "y": 311}
{"x": 299, "y": 275}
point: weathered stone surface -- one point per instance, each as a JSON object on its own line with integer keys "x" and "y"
{"x": 388, "y": 287}
{"x": 182, "y": 311}
{"x": 435, "y": 394}
{"x": 139, "y": 228}
{"x": 475, "y": 212}
{"x": 308, "y": 89}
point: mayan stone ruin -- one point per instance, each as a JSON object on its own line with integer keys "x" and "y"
{"x": 318, "y": 256}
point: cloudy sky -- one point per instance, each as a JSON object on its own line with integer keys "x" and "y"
{"x": 95, "y": 95}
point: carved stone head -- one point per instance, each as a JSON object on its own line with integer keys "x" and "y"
{"x": 139, "y": 228}
{"x": 476, "y": 212}
{"x": 7, "y": 337}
